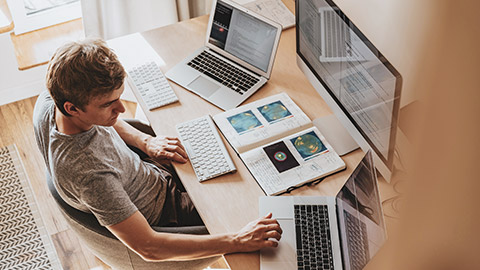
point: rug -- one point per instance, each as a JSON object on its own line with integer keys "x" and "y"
{"x": 24, "y": 241}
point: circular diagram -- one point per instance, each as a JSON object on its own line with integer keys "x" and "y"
{"x": 308, "y": 145}
{"x": 280, "y": 156}
{"x": 274, "y": 111}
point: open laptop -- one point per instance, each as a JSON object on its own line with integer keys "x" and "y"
{"x": 237, "y": 58}
{"x": 342, "y": 232}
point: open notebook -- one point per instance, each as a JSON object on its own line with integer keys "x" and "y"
{"x": 278, "y": 143}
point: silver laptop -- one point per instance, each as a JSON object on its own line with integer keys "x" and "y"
{"x": 237, "y": 58}
{"x": 342, "y": 232}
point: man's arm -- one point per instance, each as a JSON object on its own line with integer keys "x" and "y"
{"x": 136, "y": 233}
{"x": 156, "y": 147}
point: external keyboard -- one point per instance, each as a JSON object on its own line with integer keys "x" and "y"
{"x": 205, "y": 148}
{"x": 152, "y": 85}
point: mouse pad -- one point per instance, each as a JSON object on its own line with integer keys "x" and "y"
{"x": 281, "y": 157}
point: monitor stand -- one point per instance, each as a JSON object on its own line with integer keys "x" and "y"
{"x": 335, "y": 134}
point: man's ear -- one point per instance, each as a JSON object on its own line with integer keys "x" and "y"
{"x": 70, "y": 108}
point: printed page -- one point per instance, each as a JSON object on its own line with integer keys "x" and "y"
{"x": 262, "y": 121}
{"x": 274, "y": 10}
{"x": 290, "y": 162}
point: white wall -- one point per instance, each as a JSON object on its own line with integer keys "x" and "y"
{"x": 15, "y": 84}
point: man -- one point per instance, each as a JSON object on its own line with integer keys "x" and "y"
{"x": 84, "y": 145}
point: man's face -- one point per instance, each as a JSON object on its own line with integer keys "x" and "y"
{"x": 103, "y": 110}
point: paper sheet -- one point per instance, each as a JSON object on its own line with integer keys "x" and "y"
{"x": 274, "y": 10}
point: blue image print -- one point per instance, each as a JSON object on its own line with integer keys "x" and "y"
{"x": 274, "y": 111}
{"x": 244, "y": 121}
{"x": 308, "y": 145}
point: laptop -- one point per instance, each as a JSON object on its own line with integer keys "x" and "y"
{"x": 342, "y": 232}
{"x": 237, "y": 57}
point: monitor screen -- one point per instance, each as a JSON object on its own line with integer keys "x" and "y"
{"x": 363, "y": 85}
{"x": 243, "y": 35}
{"x": 360, "y": 216}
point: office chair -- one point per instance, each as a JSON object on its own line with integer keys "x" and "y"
{"x": 108, "y": 248}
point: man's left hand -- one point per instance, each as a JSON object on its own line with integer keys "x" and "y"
{"x": 166, "y": 148}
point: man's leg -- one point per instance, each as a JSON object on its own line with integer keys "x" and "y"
{"x": 178, "y": 209}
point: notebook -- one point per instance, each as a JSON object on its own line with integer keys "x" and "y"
{"x": 237, "y": 57}
{"x": 278, "y": 144}
{"x": 342, "y": 232}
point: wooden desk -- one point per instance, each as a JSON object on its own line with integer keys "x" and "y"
{"x": 229, "y": 202}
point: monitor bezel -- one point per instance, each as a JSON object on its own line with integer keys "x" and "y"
{"x": 396, "y": 100}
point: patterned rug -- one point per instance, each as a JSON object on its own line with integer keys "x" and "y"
{"x": 24, "y": 241}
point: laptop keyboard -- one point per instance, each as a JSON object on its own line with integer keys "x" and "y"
{"x": 223, "y": 72}
{"x": 314, "y": 246}
{"x": 357, "y": 241}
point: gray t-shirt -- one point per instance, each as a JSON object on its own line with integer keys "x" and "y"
{"x": 95, "y": 171}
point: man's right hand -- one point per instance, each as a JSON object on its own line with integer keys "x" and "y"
{"x": 257, "y": 234}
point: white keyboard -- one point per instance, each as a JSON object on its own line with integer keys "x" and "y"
{"x": 152, "y": 85}
{"x": 205, "y": 148}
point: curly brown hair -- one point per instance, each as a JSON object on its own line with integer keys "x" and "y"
{"x": 81, "y": 70}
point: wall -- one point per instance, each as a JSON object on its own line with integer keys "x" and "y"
{"x": 15, "y": 84}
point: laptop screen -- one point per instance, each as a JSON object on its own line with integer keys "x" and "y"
{"x": 242, "y": 35}
{"x": 359, "y": 211}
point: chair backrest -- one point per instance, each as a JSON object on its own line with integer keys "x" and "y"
{"x": 88, "y": 220}
{"x": 110, "y": 250}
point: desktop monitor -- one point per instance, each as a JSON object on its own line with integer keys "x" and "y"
{"x": 356, "y": 81}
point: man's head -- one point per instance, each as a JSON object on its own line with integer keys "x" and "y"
{"x": 81, "y": 71}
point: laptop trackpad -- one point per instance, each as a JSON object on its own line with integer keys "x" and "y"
{"x": 203, "y": 86}
{"x": 285, "y": 255}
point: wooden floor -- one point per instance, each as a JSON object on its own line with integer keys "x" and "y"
{"x": 16, "y": 127}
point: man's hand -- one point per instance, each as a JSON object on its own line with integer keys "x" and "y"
{"x": 165, "y": 148}
{"x": 255, "y": 235}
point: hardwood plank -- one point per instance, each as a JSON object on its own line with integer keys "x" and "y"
{"x": 70, "y": 251}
